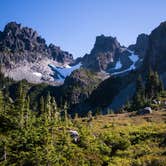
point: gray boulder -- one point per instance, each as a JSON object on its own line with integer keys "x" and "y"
{"x": 146, "y": 110}
{"x": 74, "y": 134}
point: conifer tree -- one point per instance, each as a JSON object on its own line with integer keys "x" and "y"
{"x": 1, "y": 102}
{"x": 41, "y": 105}
{"x": 2, "y": 78}
{"x": 48, "y": 107}
{"x": 139, "y": 97}
{"x": 19, "y": 103}
{"x": 54, "y": 109}
{"x": 153, "y": 84}
{"x": 27, "y": 113}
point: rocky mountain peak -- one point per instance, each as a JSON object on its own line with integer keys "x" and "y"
{"x": 17, "y": 38}
{"x": 160, "y": 30}
{"x": 105, "y": 44}
{"x": 155, "y": 57}
{"x": 16, "y": 29}
{"x": 59, "y": 55}
{"x": 12, "y": 26}
{"x": 22, "y": 48}
{"x": 142, "y": 44}
{"x": 104, "y": 53}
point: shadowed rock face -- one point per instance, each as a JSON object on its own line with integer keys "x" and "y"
{"x": 156, "y": 54}
{"x": 25, "y": 55}
{"x": 142, "y": 45}
{"x": 109, "y": 56}
{"x": 104, "y": 53}
{"x": 19, "y": 43}
{"x": 79, "y": 85}
{"x": 59, "y": 55}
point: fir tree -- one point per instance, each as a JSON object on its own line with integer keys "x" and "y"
{"x": 1, "y": 102}
{"x": 139, "y": 97}
{"x": 41, "y": 105}
{"x": 153, "y": 85}
{"x": 19, "y": 103}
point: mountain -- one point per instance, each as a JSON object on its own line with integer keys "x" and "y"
{"x": 149, "y": 51}
{"x": 105, "y": 50}
{"x": 79, "y": 85}
{"x": 141, "y": 45}
{"x": 116, "y": 91}
{"x": 25, "y": 55}
{"x": 156, "y": 54}
{"x": 110, "y": 57}
{"x": 104, "y": 78}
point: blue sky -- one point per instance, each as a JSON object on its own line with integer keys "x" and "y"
{"x": 74, "y": 24}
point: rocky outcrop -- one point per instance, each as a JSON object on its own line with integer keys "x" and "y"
{"x": 141, "y": 46}
{"x": 156, "y": 55}
{"x": 110, "y": 57}
{"x": 79, "y": 85}
{"x": 59, "y": 55}
{"x": 103, "y": 55}
{"x": 19, "y": 43}
{"x": 25, "y": 55}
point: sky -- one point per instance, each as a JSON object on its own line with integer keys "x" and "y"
{"x": 74, "y": 24}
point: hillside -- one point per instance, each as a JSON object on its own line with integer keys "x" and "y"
{"x": 125, "y": 139}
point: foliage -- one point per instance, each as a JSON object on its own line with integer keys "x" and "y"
{"x": 43, "y": 137}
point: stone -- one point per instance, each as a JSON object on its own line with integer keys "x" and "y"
{"x": 74, "y": 134}
{"x": 146, "y": 110}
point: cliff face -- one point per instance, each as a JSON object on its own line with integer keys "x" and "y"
{"x": 19, "y": 43}
{"x": 141, "y": 46}
{"x": 25, "y": 55}
{"x": 104, "y": 53}
{"x": 156, "y": 54}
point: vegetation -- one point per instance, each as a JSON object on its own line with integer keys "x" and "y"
{"x": 30, "y": 138}
{"x": 147, "y": 91}
{"x": 42, "y": 136}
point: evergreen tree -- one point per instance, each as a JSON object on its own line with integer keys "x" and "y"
{"x": 27, "y": 113}
{"x": 153, "y": 85}
{"x": 19, "y": 103}
{"x": 2, "y": 78}
{"x": 1, "y": 102}
{"x": 139, "y": 97}
{"x": 54, "y": 109}
{"x": 41, "y": 105}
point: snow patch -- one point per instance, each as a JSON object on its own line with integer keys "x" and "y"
{"x": 65, "y": 71}
{"x": 118, "y": 65}
{"x": 37, "y": 74}
{"x": 134, "y": 58}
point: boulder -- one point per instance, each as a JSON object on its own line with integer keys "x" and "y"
{"x": 74, "y": 134}
{"x": 146, "y": 110}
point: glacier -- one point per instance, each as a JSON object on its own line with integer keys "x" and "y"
{"x": 134, "y": 58}
{"x": 63, "y": 72}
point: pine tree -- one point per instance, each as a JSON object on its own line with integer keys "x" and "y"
{"x": 2, "y": 78}
{"x": 19, "y": 103}
{"x": 54, "y": 109}
{"x": 66, "y": 120}
{"x": 149, "y": 84}
{"x": 153, "y": 85}
{"x": 27, "y": 113}
{"x": 139, "y": 97}
{"x": 41, "y": 105}
{"x": 48, "y": 107}
{"x": 1, "y": 102}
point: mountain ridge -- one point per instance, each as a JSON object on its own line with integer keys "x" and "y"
{"x": 108, "y": 63}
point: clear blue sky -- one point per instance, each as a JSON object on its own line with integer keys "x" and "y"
{"x": 74, "y": 24}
